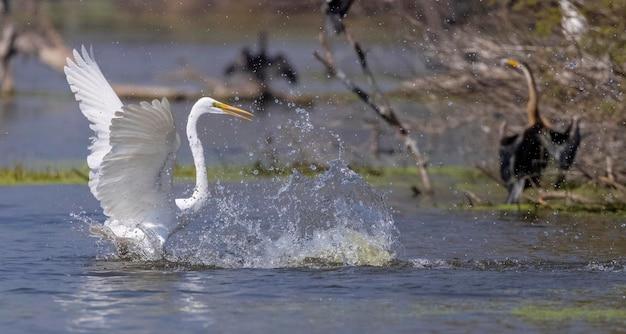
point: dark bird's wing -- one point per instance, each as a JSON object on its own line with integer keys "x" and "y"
{"x": 508, "y": 151}
{"x": 522, "y": 161}
{"x": 281, "y": 67}
{"x": 563, "y": 145}
{"x": 508, "y": 147}
{"x": 240, "y": 64}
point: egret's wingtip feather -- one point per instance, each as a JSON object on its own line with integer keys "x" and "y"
{"x": 76, "y": 57}
{"x": 83, "y": 51}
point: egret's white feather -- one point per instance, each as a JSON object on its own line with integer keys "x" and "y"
{"x": 136, "y": 175}
{"x": 98, "y": 102}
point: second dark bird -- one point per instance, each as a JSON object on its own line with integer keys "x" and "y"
{"x": 524, "y": 156}
{"x": 261, "y": 65}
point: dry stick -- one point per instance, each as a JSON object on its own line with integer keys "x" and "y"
{"x": 366, "y": 70}
{"x": 386, "y": 112}
{"x": 483, "y": 168}
{"x": 609, "y": 179}
{"x": 44, "y": 42}
{"x": 7, "y": 39}
{"x": 546, "y": 195}
{"x": 472, "y": 198}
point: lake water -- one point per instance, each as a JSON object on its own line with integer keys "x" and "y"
{"x": 247, "y": 266}
{"x": 455, "y": 272}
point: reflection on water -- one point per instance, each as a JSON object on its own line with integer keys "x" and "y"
{"x": 92, "y": 305}
{"x": 104, "y": 297}
{"x": 126, "y": 296}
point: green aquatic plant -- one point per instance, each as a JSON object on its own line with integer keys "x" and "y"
{"x": 579, "y": 313}
{"x": 20, "y": 175}
{"x": 454, "y": 184}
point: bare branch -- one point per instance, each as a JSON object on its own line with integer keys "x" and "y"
{"x": 383, "y": 109}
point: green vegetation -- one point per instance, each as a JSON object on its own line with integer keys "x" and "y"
{"x": 19, "y": 175}
{"x": 580, "y": 313}
{"x": 461, "y": 187}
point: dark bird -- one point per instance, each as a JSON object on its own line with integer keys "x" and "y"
{"x": 523, "y": 157}
{"x": 262, "y": 66}
{"x": 334, "y": 12}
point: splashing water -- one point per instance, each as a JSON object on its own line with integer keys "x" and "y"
{"x": 335, "y": 219}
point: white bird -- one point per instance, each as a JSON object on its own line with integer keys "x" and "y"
{"x": 132, "y": 159}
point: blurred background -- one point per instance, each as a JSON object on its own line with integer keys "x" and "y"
{"x": 435, "y": 63}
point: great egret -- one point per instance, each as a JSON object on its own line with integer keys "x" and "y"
{"x": 132, "y": 159}
{"x": 523, "y": 157}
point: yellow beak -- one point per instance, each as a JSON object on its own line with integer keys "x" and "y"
{"x": 229, "y": 110}
{"x": 512, "y": 63}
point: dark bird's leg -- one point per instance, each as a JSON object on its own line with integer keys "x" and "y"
{"x": 515, "y": 191}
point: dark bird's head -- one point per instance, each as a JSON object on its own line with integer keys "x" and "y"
{"x": 510, "y": 63}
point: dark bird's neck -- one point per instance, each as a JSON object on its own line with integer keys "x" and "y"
{"x": 531, "y": 108}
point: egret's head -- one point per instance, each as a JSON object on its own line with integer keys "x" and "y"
{"x": 208, "y": 105}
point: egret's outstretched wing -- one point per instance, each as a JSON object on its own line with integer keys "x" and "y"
{"x": 136, "y": 175}
{"x": 98, "y": 102}
{"x": 134, "y": 147}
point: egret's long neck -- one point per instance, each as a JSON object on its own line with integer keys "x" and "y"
{"x": 531, "y": 108}
{"x": 201, "y": 190}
